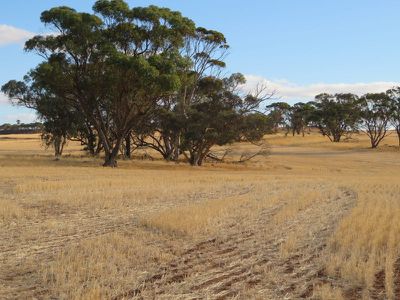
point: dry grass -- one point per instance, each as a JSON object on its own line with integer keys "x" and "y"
{"x": 300, "y": 199}
{"x": 195, "y": 218}
{"x": 367, "y": 241}
{"x": 315, "y": 140}
{"x": 12, "y": 212}
{"x": 87, "y": 270}
{"x": 327, "y": 292}
{"x": 98, "y": 233}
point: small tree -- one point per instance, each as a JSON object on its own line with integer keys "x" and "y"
{"x": 60, "y": 121}
{"x": 300, "y": 116}
{"x": 335, "y": 115}
{"x": 394, "y": 95}
{"x": 279, "y": 114}
{"x": 376, "y": 113}
{"x": 220, "y": 116}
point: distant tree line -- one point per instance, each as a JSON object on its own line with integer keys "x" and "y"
{"x": 18, "y": 128}
{"x": 122, "y": 78}
{"x": 339, "y": 115}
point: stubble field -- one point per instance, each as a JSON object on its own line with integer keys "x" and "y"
{"x": 311, "y": 220}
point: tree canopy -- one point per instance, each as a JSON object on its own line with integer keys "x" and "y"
{"x": 335, "y": 115}
{"x": 120, "y": 75}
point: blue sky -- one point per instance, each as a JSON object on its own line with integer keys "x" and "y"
{"x": 298, "y": 48}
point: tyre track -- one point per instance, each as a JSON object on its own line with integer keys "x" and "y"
{"x": 17, "y": 253}
{"x": 223, "y": 267}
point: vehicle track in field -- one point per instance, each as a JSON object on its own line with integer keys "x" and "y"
{"x": 18, "y": 254}
{"x": 249, "y": 259}
{"x": 84, "y": 226}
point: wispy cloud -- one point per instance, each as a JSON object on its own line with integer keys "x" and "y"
{"x": 3, "y": 99}
{"x": 11, "y": 35}
{"x": 289, "y": 91}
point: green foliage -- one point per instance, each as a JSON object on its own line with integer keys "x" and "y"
{"x": 376, "y": 111}
{"x": 254, "y": 126}
{"x": 220, "y": 116}
{"x": 112, "y": 66}
{"x": 335, "y": 115}
{"x": 300, "y": 116}
{"x": 279, "y": 114}
{"x": 394, "y": 98}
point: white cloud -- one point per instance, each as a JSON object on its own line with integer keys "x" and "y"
{"x": 289, "y": 91}
{"x": 10, "y": 35}
{"x": 3, "y": 99}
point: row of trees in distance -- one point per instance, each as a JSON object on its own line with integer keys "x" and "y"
{"x": 339, "y": 115}
{"x": 19, "y": 127}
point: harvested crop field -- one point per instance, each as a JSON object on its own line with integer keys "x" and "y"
{"x": 311, "y": 220}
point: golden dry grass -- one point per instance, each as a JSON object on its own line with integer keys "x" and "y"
{"x": 72, "y": 229}
{"x": 367, "y": 241}
{"x": 78, "y": 272}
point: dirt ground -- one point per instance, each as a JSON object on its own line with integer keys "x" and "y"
{"x": 311, "y": 220}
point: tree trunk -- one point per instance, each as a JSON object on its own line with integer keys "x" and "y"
{"x": 197, "y": 157}
{"x": 201, "y": 158}
{"x": 175, "y": 153}
{"x": 194, "y": 159}
{"x": 128, "y": 146}
{"x": 287, "y": 130}
{"x": 99, "y": 147}
{"x": 336, "y": 138}
{"x": 398, "y": 135}
{"x": 374, "y": 143}
{"x": 90, "y": 149}
{"x": 169, "y": 148}
{"x": 91, "y": 144}
{"x": 110, "y": 159}
{"x": 58, "y": 144}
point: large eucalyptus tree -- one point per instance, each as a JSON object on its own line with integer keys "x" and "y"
{"x": 113, "y": 65}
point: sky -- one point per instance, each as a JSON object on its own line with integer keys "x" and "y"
{"x": 297, "y": 48}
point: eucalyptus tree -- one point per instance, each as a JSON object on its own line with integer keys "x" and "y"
{"x": 335, "y": 115}
{"x": 60, "y": 121}
{"x": 279, "y": 114}
{"x": 204, "y": 52}
{"x": 376, "y": 114}
{"x": 220, "y": 115}
{"x": 114, "y": 65}
{"x": 300, "y": 117}
{"x": 394, "y": 95}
